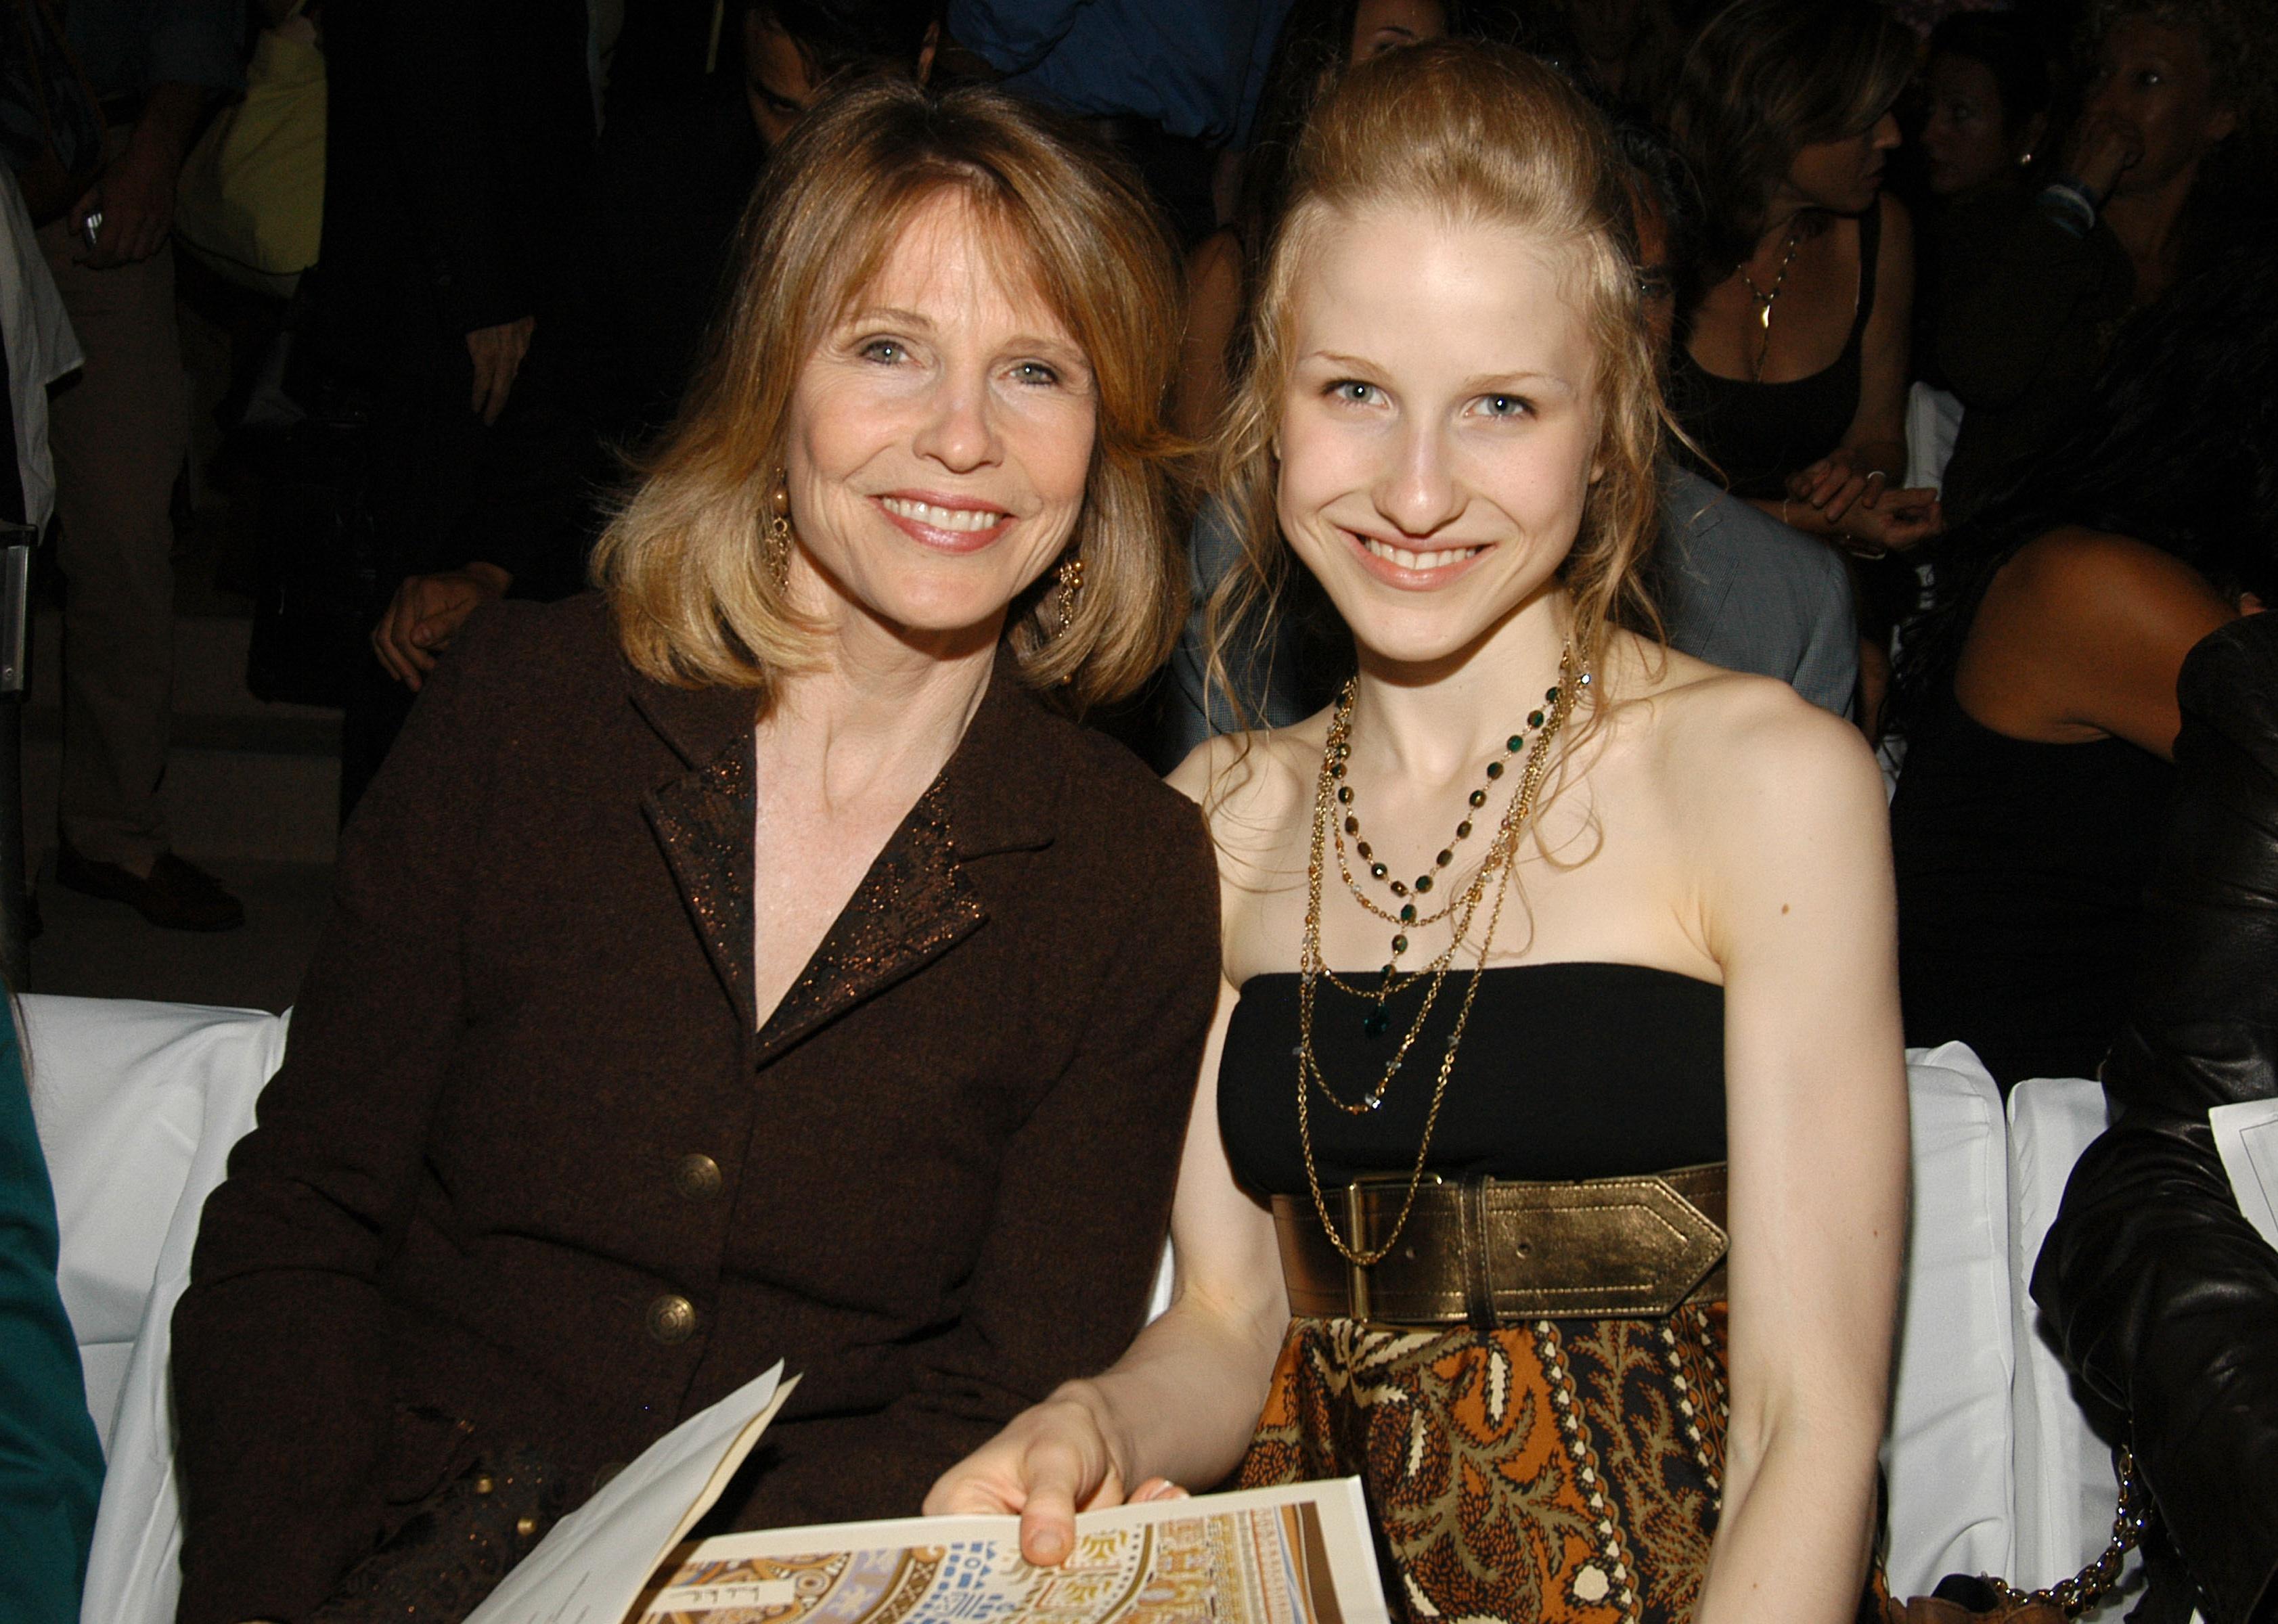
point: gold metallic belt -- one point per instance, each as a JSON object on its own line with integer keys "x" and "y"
{"x": 1488, "y": 1251}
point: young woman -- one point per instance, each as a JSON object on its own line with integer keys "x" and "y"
{"x": 1536, "y": 903}
{"x": 1985, "y": 98}
{"x": 715, "y": 976}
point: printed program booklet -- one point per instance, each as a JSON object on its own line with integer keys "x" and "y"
{"x": 1296, "y": 1555}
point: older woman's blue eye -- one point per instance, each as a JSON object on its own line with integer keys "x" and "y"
{"x": 1036, "y": 372}
{"x": 887, "y": 350}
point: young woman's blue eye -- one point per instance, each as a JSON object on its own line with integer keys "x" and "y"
{"x": 1504, "y": 406}
{"x": 1353, "y": 391}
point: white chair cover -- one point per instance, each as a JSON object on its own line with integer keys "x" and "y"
{"x": 2065, "y": 1488}
{"x": 138, "y": 1105}
{"x": 1946, "y": 1457}
{"x": 1990, "y": 1466}
{"x": 1933, "y": 420}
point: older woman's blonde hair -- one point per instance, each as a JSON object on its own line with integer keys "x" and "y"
{"x": 1477, "y": 134}
{"x": 684, "y": 563}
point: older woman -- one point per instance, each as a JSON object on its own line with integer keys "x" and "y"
{"x": 1538, "y": 916}
{"x": 719, "y": 972}
{"x": 2166, "y": 168}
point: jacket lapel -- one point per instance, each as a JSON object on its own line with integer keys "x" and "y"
{"x": 926, "y": 892}
{"x": 912, "y": 906}
{"x": 919, "y": 898}
{"x": 703, "y": 819}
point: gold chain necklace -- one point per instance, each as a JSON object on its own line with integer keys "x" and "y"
{"x": 1500, "y": 860}
{"x": 1764, "y": 302}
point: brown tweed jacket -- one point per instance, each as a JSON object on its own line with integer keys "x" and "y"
{"x": 529, "y": 1166}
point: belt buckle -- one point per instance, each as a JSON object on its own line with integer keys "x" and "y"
{"x": 1356, "y": 1194}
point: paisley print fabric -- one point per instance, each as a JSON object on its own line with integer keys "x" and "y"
{"x": 1558, "y": 1472}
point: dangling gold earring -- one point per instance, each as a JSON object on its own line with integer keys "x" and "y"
{"x": 778, "y": 536}
{"x": 1071, "y": 580}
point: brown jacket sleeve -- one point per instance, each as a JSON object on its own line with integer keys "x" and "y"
{"x": 276, "y": 1341}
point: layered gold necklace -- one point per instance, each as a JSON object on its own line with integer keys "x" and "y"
{"x": 1335, "y": 817}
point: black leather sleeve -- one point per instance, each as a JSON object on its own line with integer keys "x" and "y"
{"x": 2164, "y": 1300}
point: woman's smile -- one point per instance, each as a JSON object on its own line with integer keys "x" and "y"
{"x": 945, "y": 523}
{"x": 1421, "y": 569}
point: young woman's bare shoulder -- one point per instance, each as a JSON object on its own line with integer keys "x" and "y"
{"x": 1749, "y": 756}
{"x": 1250, "y": 786}
{"x": 1718, "y": 734}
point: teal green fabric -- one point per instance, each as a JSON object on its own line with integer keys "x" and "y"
{"x": 51, "y": 1461}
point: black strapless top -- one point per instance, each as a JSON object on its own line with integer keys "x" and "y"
{"x": 1567, "y": 1070}
{"x": 1755, "y": 435}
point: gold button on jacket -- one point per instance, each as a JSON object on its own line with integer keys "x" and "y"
{"x": 697, "y": 1178}
{"x": 671, "y": 1318}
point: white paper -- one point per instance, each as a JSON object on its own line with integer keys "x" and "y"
{"x": 2246, "y": 1134}
{"x": 595, "y": 1563}
{"x": 1296, "y": 1555}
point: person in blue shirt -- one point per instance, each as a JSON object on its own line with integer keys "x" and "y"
{"x": 1192, "y": 66}
{"x": 1172, "y": 84}
{"x": 51, "y": 1461}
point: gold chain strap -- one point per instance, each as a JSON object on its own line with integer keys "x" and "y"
{"x": 2131, "y": 1519}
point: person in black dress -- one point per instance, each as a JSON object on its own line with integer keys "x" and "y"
{"x": 2038, "y": 700}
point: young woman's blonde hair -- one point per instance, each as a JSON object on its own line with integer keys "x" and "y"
{"x": 1476, "y": 134}
{"x": 684, "y": 563}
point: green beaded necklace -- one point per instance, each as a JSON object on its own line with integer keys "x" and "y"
{"x": 1404, "y": 914}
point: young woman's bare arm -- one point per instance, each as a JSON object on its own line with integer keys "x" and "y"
{"x": 1799, "y": 913}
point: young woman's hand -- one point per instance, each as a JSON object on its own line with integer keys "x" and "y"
{"x": 1054, "y": 1460}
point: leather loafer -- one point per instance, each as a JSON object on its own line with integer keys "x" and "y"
{"x": 177, "y": 895}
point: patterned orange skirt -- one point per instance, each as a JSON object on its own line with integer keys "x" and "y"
{"x": 1559, "y": 1472}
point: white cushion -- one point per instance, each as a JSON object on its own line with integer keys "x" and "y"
{"x": 138, "y": 1106}
{"x": 1946, "y": 1457}
{"x": 2064, "y": 1489}
{"x": 1933, "y": 421}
